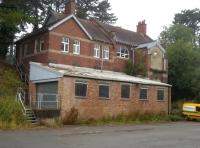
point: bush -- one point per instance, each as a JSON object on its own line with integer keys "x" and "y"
{"x": 50, "y": 122}
{"x": 11, "y": 115}
{"x": 71, "y": 117}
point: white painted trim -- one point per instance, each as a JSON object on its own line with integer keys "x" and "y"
{"x": 46, "y": 80}
{"x": 68, "y": 18}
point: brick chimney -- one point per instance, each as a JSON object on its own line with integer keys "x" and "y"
{"x": 70, "y": 7}
{"x": 142, "y": 27}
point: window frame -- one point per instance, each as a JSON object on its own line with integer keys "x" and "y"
{"x": 129, "y": 85}
{"x": 37, "y": 45}
{"x": 76, "y": 47}
{"x": 105, "y": 52}
{"x": 160, "y": 89}
{"x": 65, "y": 45}
{"x": 144, "y": 88}
{"x": 104, "y": 84}
{"x": 41, "y": 42}
{"x": 78, "y": 81}
{"x": 97, "y": 51}
{"x": 123, "y": 55}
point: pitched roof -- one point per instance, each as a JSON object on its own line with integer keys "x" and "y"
{"x": 99, "y": 31}
{"x": 89, "y": 73}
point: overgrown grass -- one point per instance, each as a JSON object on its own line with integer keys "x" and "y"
{"x": 135, "y": 118}
{"x": 11, "y": 116}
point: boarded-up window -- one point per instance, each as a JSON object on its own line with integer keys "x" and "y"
{"x": 104, "y": 90}
{"x": 80, "y": 88}
{"x": 143, "y": 93}
{"x": 125, "y": 91}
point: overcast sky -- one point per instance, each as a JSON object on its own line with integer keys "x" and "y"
{"x": 157, "y": 13}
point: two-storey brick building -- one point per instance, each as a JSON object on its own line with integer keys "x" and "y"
{"x": 87, "y": 60}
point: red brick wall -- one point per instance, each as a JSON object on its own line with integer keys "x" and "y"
{"x": 94, "y": 107}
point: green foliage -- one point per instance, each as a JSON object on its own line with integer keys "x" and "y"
{"x": 174, "y": 33}
{"x": 11, "y": 115}
{"x": 191, "y": 19}
{"x": 135, "y": 69}
{"x": 134, "y": 117}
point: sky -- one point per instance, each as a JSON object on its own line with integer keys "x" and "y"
{"x": 156, "y": 13}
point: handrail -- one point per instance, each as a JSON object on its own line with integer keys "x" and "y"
{"x": 21, "y": 98}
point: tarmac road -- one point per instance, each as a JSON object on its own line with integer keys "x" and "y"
{"x": 169, "y": 135}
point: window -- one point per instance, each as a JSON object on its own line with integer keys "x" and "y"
{"x": 105, "y": 53}
{"x": 123, "y": 52}
{"x": 80, "y": 88}
{"x": 104, "y": 90}
{"x": 25, "y": 49}
{"x": 65, "y": 44}
{"x": 41, "y": 45}
{"x": 37, "y": 46}
{"x": 143, "y": 93}
{"x": 97, "y": 49}
{"x": 160, "y": 94}
{"x": 125, "y": 91}
{"x": 76, "y": 47}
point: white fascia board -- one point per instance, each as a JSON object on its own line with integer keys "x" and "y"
{"x": 68, "y": 18}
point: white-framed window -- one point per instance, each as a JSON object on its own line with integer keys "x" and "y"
{"x": 144, "y": 93}
{"x": 160, "y": 94}
{"x": 97, "y": 49}
{"x": 76, "y": 47}
{"x": 105, "y": 52}
{"x": 81, "y": 88}
{"x": 123, "y": 52}
{"x": 65, "y": 44}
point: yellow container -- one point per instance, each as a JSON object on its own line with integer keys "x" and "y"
{"x": 191, "y": 110}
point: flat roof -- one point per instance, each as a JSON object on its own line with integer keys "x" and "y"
{"x": 89, "y": 73}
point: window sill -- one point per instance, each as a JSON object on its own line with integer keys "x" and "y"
{"x": 160, "y": 100}
{"x": 81, "y": 98}
{"x": 103, "y": 98}
{"x": 123, "y": 58}
{"x": 76, "y": 53}
{"x": 65, "y": 52}
{"x": 143, "y": 100}
{"x": 125, "y": 99}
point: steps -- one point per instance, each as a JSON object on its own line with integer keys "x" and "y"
{"x": 30, "y": 116}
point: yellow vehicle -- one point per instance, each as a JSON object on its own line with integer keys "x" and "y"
{"x": 191, "y": 110}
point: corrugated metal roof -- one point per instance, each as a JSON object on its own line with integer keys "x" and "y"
{"x": 90, "y": 73}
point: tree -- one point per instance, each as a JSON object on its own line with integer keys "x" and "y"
{"x": 12, "y": 20}
{"x": 102, "y": 13}
{"x": 174, "y": 33}
{"x": 191, "y": 19}
{"x": 183, "y": 62}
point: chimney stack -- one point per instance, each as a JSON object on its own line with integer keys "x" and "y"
{"x": 142, "y": 27}
{"x": 70, "y": 7}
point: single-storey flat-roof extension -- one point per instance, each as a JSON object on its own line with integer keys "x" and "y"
{"x": 83, "y": 72}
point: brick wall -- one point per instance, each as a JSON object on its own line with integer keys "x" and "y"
{"x": 94, "y": 107}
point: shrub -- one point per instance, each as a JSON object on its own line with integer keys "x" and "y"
{"x": 11, "y": 114}
{"x": 50, "y": 122}
{"x": 70, "y": 117}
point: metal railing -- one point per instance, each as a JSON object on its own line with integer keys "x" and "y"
{"x": 45, "y": 101}
{"x": 20, "y": 97}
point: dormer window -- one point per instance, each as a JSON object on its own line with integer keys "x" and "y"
{"x": 76, "y": 47}
{"x": 123, "y": 52}
{"x": 65, "y": 44}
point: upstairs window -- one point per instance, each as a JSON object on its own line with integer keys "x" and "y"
{"x": 105, "y": 53}
{"x": 76, "y": 47}
{"x": 37, "y": 45}
{"x": 80, "y": 88}
{"x": 65, "y": 44}
{"x": 160, "y": 94}
{"x": 104, "y": 90}
{"x": 97, "y": 49}
{"x": 41, "y": 45}
{"x": 123, "y": 52}
{"x": 143, "y": 93}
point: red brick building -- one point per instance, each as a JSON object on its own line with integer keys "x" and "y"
{"x": 68, "y": 40}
